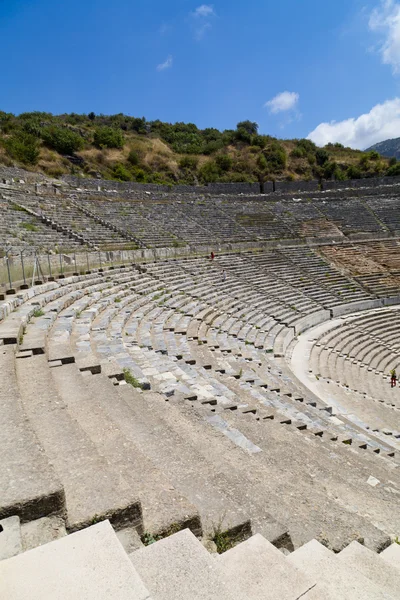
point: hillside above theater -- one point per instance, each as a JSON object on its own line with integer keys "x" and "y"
{"x": 125, "y": 148}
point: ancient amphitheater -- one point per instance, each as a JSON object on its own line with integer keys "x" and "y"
{"x": 176, "y": 427}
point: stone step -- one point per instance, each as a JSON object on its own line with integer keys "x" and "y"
{"x": 95, "y": 404}
{"x": 141, "y": 419}
{"x": 392, "y": 555}
{"x": 90, "y": 565}
{"x": 74, "y": 456}
{"x": 259, "y": 571}
{"x": 29, "y": 486}
{"x": 339, "y": 580}
{"x": 372, "y": 567}
{"x": 179, "y": 567}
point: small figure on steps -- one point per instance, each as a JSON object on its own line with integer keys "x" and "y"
{"x": 223, "y": 275}
{"x": 393, "y": 378}
{"x": 212, "y": 255}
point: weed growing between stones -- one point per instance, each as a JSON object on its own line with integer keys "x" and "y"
{"x": 38, "y": 312}
{"x": 225, "y": 540}
{"x": 131, "y": 380}
{"x": 21, "y": 336}
{"x": 148, "y": 538}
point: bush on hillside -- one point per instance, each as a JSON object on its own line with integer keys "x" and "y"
{"x": 189, "y": 162}
{"x": 329, "y": 169}
{"x": 133, "y": 158}
{"x": 242, "y": 135}
{"x": 298, "y": 152}
{"x": 276, "y": 156}
{"x": 259, "y": 140}
{"x": 250, "y": 127}
{"x": 62, "y": 140}
{"x": 306, "y": 145}
{"x": 108, "y": 137}
{"x": 322, "y": 157}
{"x": 121, "y": 173}
{"x": 23, "y": 147}
{"x": 224, "y": 162}
{"x": 209, "y": 172}
{"x": 393, "y": 170}
{"x": 373, "y": 155}
{"x": 213, "y": 146}
{"x": 353, "y": 172}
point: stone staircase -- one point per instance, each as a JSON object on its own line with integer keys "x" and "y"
{"x": 93, "y": 564}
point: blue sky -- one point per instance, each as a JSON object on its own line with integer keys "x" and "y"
{"x": 294, "y": 66}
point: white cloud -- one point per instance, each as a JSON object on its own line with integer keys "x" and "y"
{"x": 381, "y": 123}
{"x": 205, "y": 10}
{"x": 282, "y": 102}
{"x": 202, "y": 18}
{"x": 385, "y": 20}
{"x": 166, "y": 65}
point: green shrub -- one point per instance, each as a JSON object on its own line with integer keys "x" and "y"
{"x": 108, "y": 137}
{"x": 262, "y": 162}
{"x": 209, "y": 172}
{"x": 250, "y": 127}
{"x": 189, "y": 162}
{"x": 224, "y": 162}
{"x": 330, "y": 169}
{"x": 373, "y": 155}
{"x": 242, "y": 135}
{"x": 62, "y": 139}
{"x": 393, "y": 170}
{"x": 133, "y": 158}
{"x": 139, "y": 175}
{"x": 298, "y": 152}
{"x": 213, "y": 146}
{"x": 259, "y": 140}
{"x": 307, "y": 145}
{"x": 121, "y": 172}
{"x": 23, "y": 147}
{"x": 353, "y": 172}
{"x": 276, "y": 156}
{"x": 321, "y": 157}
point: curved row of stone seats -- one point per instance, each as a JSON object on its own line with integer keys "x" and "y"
{"x": 133, "y": 218}
{"x": 65, "y": 213}
{"x": 93, "y": 565}
{"x": 387, "y": 211}
{"x": 97, "y": 219}
{"x": 353, "y": 361}
{"x": 86, "y": 461}
{"x": 21, "y": 230}
{"x": 151, "y": 411}
{"x": 351, "y": 216}
{"x": 208, "y": 390}
{"x": 169, "y": 220}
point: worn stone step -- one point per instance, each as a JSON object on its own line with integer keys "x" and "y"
{"x": 338, "y": 578}
{"x": 92, "y": 489}
{"x": 89, "y": 564}
{"x": 179, "y": 567}
{"x": 29, "y": 485}
{"x": 259, "y": 571}
{"x": 96, "y": 405}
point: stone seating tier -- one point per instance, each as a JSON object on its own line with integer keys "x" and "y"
{"x": 221, "y": 407}
{"x": 93, "y": 565}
